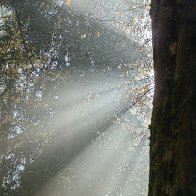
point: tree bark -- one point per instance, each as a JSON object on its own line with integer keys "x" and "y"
{"x": 173, "y": 123}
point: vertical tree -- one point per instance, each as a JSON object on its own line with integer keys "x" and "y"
{"x": 173, "y": 134}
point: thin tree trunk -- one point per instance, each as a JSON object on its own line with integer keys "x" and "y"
{"x": 173, "y": 123}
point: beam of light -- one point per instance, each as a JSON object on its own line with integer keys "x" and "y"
{"x": 79, "y": 113}
{"x": 77, "y": 126}
{"x": 77, "y": 141}
{"x": 74, "y": 91}
{"x": 103, "y": 167}
{"x": 98, "y": 8}
{"x": 80, "y": 169}
{"x": 101, "y": 106}
{"x": 75, "y": 102}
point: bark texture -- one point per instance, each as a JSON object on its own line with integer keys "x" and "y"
{"x": 173, "y": 123}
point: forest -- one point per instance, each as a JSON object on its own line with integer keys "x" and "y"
{"x": 75, "y": 104}
{"x": 97, "y": 98}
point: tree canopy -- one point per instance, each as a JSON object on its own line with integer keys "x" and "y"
{"x": 72, "y": 84}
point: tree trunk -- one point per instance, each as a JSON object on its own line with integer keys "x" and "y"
{"x": 173, "y": 123}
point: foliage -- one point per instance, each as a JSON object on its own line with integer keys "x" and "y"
{"x": 16, "y": 53}
{"x": 42, "y": 45}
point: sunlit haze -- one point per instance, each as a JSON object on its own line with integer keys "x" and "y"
{"x": 80, "y": 125}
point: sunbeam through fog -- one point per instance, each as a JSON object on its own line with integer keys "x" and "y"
{"x": 75, "y": 104}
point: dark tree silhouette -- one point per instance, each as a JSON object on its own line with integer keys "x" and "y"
{"x": 173, "y": 134}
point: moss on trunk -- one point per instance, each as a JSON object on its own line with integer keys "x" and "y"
{"x": 173, "y": 135}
